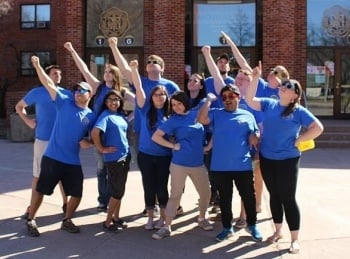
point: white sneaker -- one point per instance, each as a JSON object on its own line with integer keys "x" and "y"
{"x": 160, "y": 223}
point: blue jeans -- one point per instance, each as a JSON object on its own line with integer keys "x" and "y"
{"x": 155, "y": 175}
{"x": 102, "y": 180}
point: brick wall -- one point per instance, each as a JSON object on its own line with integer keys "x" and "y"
{"x": 284, "y": 37}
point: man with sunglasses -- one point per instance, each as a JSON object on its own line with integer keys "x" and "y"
{"x": 61, "y": 161}
{"x": 45, "y": 114}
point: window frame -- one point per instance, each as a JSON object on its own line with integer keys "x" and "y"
{"x": 35, "y": 23}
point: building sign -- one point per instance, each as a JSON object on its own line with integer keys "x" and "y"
{"x": 114, "y": 22}
{"x": 336, "y": 21}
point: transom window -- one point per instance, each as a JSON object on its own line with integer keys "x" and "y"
{"x": 35, "y": 16}
{"x": 27, "y": 68}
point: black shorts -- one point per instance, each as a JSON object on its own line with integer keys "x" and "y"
{"x": 53, "y": 171}
{"x": 117, "y": 176}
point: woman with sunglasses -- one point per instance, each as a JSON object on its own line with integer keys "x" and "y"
{"x": 110, "y": 138}
{"x": 153, "y": 159}
{"x": 187, "y": 160}
{"x": 279, "y": 155}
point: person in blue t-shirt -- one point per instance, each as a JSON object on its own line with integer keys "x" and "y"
{"x": 279, "y": 156}
{"x": 187, "y": 160}
{"x": 152, "y": 158}
{"x": 61, "y": 161}
{"x": 110, "y": 138}
{"x": 45, "y": 115}
{"x": 234, "y": 132}
{"x": 112, "y": 80}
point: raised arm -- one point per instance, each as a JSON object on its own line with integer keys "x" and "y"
{"x": 202, "y": 116}
{"x": 213, "y": 69}
{"x": 44, "y": 78}
{"x": 136, "y": 80}
{"x": 119, "y": 58}
{"x": 242, "y": 62}
{"x": 83, "y": 68}
{"x": 250, "y": 98}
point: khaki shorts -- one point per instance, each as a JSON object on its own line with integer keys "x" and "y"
{"x": 39, "y": 149}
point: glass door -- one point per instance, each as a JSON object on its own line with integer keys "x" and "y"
{"x": 342, "y": 93}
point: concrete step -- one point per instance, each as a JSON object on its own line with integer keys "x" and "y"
{"x": 336, "y": 134}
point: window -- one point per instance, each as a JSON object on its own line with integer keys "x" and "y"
{"x": 26, "y": 63}
{"x": 35, "y": 16}
{"x": 328, "y": 23}
{"x": 236, "y": 18}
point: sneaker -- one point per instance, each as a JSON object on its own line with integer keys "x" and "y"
{"x": 69, "y": 226}
{"x": 179, "y": 211}
{"x": 112, "y": 228}
{"x": 64, "y": 208}
{"x": 26, "y": 214}
{"x": 101, "y": 207}
{"x": 294, "y": 247}
{"x": 160, "y": 223}
{"x": 161, "y": 233}
{"x": 149, "y": 225}
{"x": 32, "y": 228}
{"x": 253, "y": 230}
{"x": 240, "y": 223}
{"x": 120, "y": 222}
{"x": 225, "y": 234}
{"x": 205, "y": 225}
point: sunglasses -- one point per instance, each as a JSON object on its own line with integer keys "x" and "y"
{"x": 274, "y": 71}
{"x": 229, "y": 96}
{"x": 81, "y": 91}
{"x": 112, "y": 100}
{"x": 154, "y": 62}
{"x": 290, "y": 85}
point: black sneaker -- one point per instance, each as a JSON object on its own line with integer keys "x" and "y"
{"x": 32, "y": 228}
{"x": 112, "y": 228}
{"x": 119, "y": 222}
{"x": 69, "y": 226}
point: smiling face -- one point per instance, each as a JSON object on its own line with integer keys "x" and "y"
{"x": 159, "y": 97}
{"x": 112, "y": 102}
{"x": 230, "y": 100}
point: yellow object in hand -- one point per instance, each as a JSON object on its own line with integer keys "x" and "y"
{"x": 306, "y": 145}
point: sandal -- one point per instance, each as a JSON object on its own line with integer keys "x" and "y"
{"x": 274, "y": 238}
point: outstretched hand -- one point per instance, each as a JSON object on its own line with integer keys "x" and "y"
{"x": 256, "y": 72}
{"x": 35, "y": 61}
{"x": 211, "y": 97}
{"x": 68, "y": 45}
{"x": 134, "y": 64}
{"x": 113, "y": 41}
{"x": 206, "y": 49}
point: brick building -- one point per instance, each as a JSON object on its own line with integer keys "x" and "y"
{"x": 172, "y": 29}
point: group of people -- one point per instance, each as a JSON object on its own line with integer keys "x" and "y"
{"x": 219, "y": 132}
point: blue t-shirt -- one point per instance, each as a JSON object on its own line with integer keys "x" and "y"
{"x": 98, "y": 99}
{"x": 146, "y": 144}
{"x": 280, "y": 133}
{"x": 264, "y": 90}
{"x": 231, "y": 131}
{"x": 45, "y": 110}
{"x": 114, "y": 128}
{"x": 147, "y": 86}
{"x": 210, "y": 88}
{"x": 71, "y": 125}
{"x": 189, "y": 134}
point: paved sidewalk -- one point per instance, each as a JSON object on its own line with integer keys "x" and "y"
{"x": 323, "y": 195}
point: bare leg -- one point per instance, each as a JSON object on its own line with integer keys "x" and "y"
{"x": 258, "y": 185}
{"x": 64, "y": 197}
{"x": 72, "y": 205}
{"x": 36, "y": 201}
{"x": 277, "y": 235}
